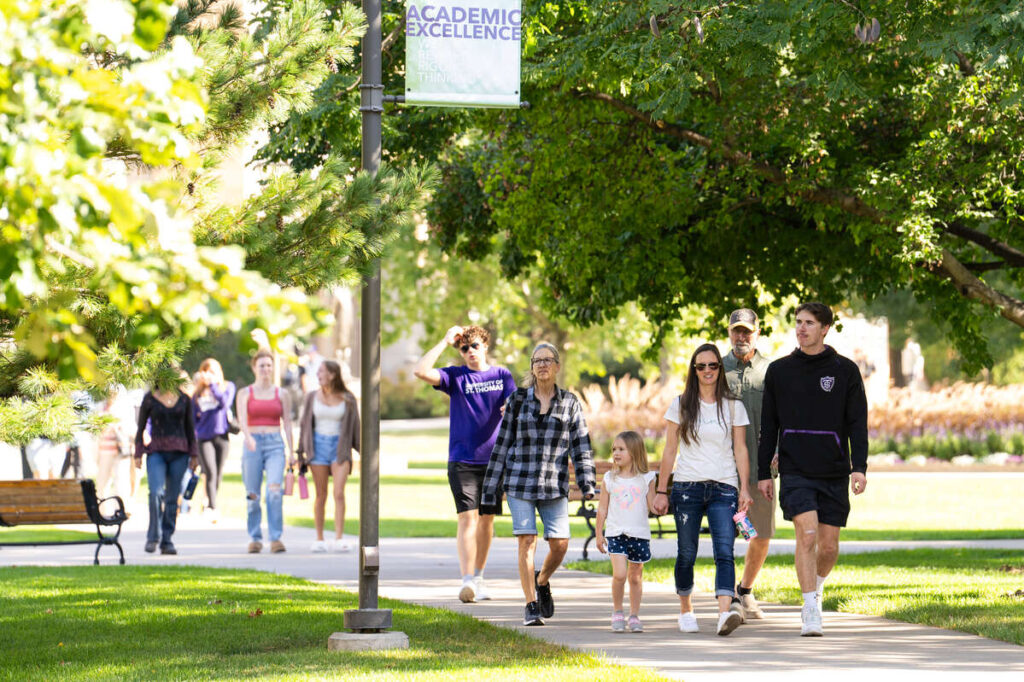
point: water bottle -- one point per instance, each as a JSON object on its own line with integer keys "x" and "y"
{"x": 303, "y": 485}
{"x": 289, "y": 482}
{"x": 744, "y": 526}
{"x": 190, "y": 487}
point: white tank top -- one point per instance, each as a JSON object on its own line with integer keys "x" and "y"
{"x": 327, "y": 418}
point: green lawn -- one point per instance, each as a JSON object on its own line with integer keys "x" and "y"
{"x": 977, "y": 591}
{"x": 175, "y": 623}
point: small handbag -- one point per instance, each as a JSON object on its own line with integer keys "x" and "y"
{"x": 233, "y": 428}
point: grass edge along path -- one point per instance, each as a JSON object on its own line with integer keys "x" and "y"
{"x": 182, "y": 622}
{"x": 976, "y": 591}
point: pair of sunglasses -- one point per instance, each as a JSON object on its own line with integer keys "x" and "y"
{"x": 701, "y": 366}
{"x": 466, "y": 346}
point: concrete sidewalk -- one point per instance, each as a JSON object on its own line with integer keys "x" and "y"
{"x": 424, "y": 571}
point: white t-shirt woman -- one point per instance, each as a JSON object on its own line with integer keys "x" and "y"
{"x": 710, "y": 457}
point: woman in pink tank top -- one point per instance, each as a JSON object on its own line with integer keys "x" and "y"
{"x": 262, "y": 410}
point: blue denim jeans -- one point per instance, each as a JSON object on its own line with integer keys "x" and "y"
{"x": 268, "y": 457}
{"x": 691, "y": 501}
{"x": 164, "y": 471}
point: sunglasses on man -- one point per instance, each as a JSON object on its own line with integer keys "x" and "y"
{"x": 466, "y": 346}
{"x": 701, "y": 366}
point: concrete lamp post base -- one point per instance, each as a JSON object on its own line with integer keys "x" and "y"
{"x": 367, "y": 641}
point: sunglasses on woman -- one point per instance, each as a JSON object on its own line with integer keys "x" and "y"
{"x": 466, "y": 346}
{"x": 701, "y": 366}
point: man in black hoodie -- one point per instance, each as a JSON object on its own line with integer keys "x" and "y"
{"x": 815, "y": 411}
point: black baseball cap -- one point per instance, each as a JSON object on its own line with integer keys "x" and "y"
{"x": 744, "y": 317}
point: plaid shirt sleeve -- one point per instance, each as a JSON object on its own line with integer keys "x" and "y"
{"x": 582, "y": 453}
{"x": 502, "y": 445}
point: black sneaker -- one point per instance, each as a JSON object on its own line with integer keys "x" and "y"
{"x": 150, "y": 546}
{"x": 168, "y": 549}
{"x": 547, "y": 604}
{"x": 532, "y": 615}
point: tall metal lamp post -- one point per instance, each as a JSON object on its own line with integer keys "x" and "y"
{"x": 369, "y": 626}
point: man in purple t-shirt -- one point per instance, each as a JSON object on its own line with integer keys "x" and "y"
{"x": 478, "y": 392}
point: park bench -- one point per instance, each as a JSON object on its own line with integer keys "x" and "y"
{"x": 588, "y": 508}
{"x": 63, "y": 501}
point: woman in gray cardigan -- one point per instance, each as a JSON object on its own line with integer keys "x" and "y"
{"x": 328, "y": 433}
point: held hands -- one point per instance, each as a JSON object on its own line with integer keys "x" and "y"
{"x": 602, "y": 544}
{"x": 858, "y": 482}
{"x": 766, "y": 488}
{"x": 660, "y": 504}
{"x": 450, "y": 335}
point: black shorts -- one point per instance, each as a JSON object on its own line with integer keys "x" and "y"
{"x": 467, "y": 483}
{"x": 827, "y": 496}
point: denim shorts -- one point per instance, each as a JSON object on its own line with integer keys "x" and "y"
{"x": 636, "y": 550}
{"x": 325, "y": 449}
{"x": 554, "y": 514}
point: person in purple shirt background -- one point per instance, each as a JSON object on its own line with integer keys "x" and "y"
{"x": 212, "y": 403}
{"x": 478, "y": 392}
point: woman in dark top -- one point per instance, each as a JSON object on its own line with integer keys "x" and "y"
{"x": 172, "y": 448}
{"x": 212, "y": 400}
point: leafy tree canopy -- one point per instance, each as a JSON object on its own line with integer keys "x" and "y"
{"x": 725, "y": 153}
{"x": 114, "y": 117}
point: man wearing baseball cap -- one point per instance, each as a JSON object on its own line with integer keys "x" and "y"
{"x": 745, "y": 368}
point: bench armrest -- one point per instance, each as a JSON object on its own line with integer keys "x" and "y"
{"x": 119, "y": 513}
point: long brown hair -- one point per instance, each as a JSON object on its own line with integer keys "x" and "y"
{"x": 689, "y": 401}
{"x": 337, "y": 383}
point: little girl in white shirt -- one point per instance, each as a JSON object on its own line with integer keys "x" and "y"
{"x": 627, "y": 492}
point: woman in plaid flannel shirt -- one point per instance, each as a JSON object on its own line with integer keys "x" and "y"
{"x": 542, "y": 427}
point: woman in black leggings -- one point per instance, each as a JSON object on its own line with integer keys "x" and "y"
{"x": 212, "y": 401}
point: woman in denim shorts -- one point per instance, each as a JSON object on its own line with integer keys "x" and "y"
{"x": 707, "y": 429}
{"x": 541, "y": 429}
{"x": 328, "y": 433}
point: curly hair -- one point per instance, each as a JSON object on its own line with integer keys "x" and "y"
{"x": 471, "y": 334}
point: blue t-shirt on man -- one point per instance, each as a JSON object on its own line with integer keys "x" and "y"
{"x": 475, "y": 412}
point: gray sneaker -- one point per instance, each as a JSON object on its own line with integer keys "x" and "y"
{"x": 635, "y": 625}
{"x": 618, "y": 622}
{"x": 751, "y": 609}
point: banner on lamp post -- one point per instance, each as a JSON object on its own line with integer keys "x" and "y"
{"x": 462, "y": 53}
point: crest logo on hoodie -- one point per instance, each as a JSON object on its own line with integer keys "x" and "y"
{"x": 827, "y": 383}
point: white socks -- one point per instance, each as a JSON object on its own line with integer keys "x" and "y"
{"x": 810, "y": 598}
{"x": 820, "y": 587}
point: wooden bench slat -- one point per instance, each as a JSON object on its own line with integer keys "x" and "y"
{"x": 27, "y": 518}
{"x": 41, "y": 484}
{"x": 41, "y": 507}
{"x": 28, "y": 496}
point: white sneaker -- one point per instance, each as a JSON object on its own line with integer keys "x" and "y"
{"x": 688, "y": 622}
{"x": 467, "y": 593}
{"x": 810, "y": 618}
{"x": 318, "y": 547}
{"x": 481, "y": 589}
{"x": 341, "y": 546}
{"x": 728, "y": 621}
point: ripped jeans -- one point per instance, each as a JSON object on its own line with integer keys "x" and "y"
{"x": 267, "y": 457}
{"x": 690, "y": 502}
